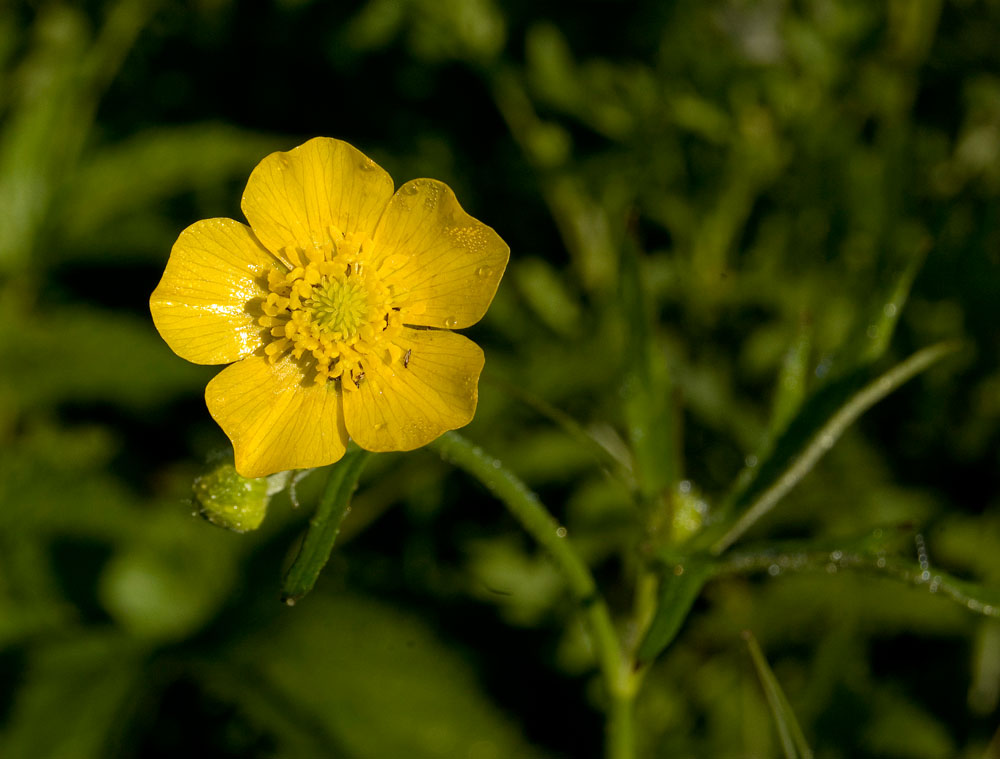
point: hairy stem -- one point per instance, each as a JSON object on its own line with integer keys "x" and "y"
{"x": 526, "y": 507}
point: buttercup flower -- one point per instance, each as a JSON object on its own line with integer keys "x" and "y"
{"x": 337, "y": 305}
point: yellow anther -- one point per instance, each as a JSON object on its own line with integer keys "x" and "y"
{"x": 333, "y": 310}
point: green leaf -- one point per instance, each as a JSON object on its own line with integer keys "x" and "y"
{"x": 679, "y": 589}
{"x": 874, "y": 333}
{"x": 649, "y": 410}
{"x": 548, "y": 295}
{"x": 822, "y": 421}
{"x": 324, "y": 526}
{"x": 378, "y": 680}
{"x": 793, "y": 381}
{"x": 127, "y": 178}
{"x": 74, "y": 701}
{"x": 793, "y": 742}
{"x": 114, "y": 357}
{"x": 49, "y": 120}
{"x": 795, "y": 417}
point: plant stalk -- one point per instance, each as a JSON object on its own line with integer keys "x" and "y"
{"x": 526, "y": 507}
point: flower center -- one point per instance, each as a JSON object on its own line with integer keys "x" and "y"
{"x": 331, "y": 310}
{"x": 339, "y": 307}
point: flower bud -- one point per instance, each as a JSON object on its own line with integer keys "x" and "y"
{"x": 227, "y": 499}
{"x": 689, "y": 512}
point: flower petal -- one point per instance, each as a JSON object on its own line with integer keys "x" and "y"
{"x": 203, "y": 304}
{"x": 294, "y": 198}
{"x": 273, "y": 420}
{"x": 401, "y": 407}
{"x": 447, "y": 261}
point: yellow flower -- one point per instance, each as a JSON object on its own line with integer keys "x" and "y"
{"x": 336, "y": 305}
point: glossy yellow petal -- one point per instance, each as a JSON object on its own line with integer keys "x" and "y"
{"x": 445, "y": 262}
{"x": 295, "y": 198}
{"x": 431, "y": 388}
{"x": 273, "y": 420}
{"x": 204, "y": 304}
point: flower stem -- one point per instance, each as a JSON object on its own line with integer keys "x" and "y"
{"x": 324, "y": 525}
{"x": 526, "y": 507}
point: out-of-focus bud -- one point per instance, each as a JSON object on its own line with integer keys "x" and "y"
{"x": 227, "y": 499}
{"x": 688, "y": 513}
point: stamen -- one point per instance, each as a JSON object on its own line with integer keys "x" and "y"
{"x": 331, "y": 311}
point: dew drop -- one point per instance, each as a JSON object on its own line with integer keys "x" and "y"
{"x": 774, "y": 570}
{"x": 379, "y": 426}
{"x": 290, "y": 602}
{"x": 561, "y": 532}
{"x": 496, "y": 463}
{"x": 451, "y": 322}
{"x": 367, "y": 165}
{"x": 484, "y": 272}
{"x": 684, "y": 486}
{"x": 411, "y": 189}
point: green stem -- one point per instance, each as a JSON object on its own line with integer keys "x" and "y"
{"x": 542, "y": 526}
{"x": 324, "y": 525}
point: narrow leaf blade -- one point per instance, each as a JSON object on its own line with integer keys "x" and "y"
{"x": 324, "y": 526}
{"x": 678, "y": 592}
{"x": 793, "y": 742}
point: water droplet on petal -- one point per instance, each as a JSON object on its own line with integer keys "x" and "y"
{"x": 411, "y": 189}
{"x": 451, "y": 322}
{"x": 379, "y": 426}
{"x": 484, "y": 272}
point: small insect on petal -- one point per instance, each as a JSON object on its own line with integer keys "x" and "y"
{"x": 406, "y": 358}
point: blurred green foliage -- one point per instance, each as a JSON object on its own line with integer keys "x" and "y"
{"x": 724, "y": 217}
